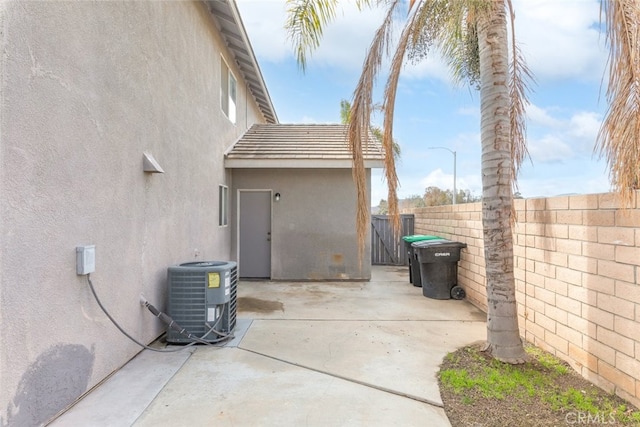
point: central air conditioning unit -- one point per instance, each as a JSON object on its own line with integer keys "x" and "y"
{"x": 203, "y": 300}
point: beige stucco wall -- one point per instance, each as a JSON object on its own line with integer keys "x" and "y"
{"x": 313, "y": 225}
{"x": 87, "y": 87}
{"x": 577, "y": 273}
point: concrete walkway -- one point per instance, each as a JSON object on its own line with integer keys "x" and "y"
{"x": 305, "y": 354}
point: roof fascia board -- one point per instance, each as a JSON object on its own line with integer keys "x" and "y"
{"x": 297, "y": 164}
{"x": 251, "y": 54}
{"x": 253, "y": 63}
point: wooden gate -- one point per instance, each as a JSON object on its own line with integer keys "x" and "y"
{"x": 387, "y": 248}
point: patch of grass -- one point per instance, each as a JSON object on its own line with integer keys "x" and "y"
{"x": 496, "y": 380}
{"x": 544, "y": 383}
{"x": 573, "y": 399}
{"x": 627, "y": 415}
{"x": 457, "y": 379}
{"x": 591, "y": 403}
{"x": 452, "y": 358}
{"x": 547, "y": 360}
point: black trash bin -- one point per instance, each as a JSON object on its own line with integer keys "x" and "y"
{"x": 414, "y": 267}
{"x": 438, "y": 260}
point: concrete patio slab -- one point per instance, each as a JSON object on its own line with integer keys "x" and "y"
{"x": 306, "y": 353}
{"x": 120, "y": 400}
{"x": 399, "y": 356}
{"x": 388, "y": 296}
{"x": 232, "y": 387}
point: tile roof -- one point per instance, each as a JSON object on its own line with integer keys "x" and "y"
{"x": 298, "y": 145}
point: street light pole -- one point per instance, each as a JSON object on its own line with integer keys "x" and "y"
{"x": 455, "y": 193}
{"x": 454, "y": 169}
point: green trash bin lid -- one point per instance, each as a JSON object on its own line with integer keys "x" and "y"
{"x": 419, "y": 238}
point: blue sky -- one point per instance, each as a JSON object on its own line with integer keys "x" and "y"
{"x": 562, "y": 45}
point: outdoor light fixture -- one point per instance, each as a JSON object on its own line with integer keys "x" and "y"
{"x": 277, "y": 197}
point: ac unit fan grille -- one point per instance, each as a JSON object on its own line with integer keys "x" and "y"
{"x": 188, "y": 301}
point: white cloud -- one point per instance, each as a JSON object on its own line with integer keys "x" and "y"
{"x": 559, "y": 38}
{"x": 437, "y": 178}
{"x": 264, "y": 21}
{"x": 344, "y": 41}
{"x": 540, "y": 116}
{"x": 549, "y": 149}
{"x": 433, "y": 67}
{"x": 559, "y": 139}
{"x": 584, "y": 126}
{"x": 440, "y": 179}
{"x": 472, "y": 183}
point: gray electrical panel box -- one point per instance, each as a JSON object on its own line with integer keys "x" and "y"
{"x": 85, "y": 259}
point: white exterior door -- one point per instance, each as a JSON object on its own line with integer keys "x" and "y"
{"x": 255, "y": 234}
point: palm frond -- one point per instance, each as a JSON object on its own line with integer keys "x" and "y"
{"x": 389, "y": 107}
{"x": 360, "y": 119}
{"x": 345, "y": 111}
{"x": 520, "y": 77}
{"x": 306, "y": 20}
{"x": 457, "y": 38}
{"x": 305, "y": 24}
{"x": 362, "y": 3}
{"x": 619, "y": 137}
{"x": 431, "y": 21}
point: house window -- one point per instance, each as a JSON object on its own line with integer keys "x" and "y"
{"x": 223, "y": 204}
{"x": 228, "y": 86}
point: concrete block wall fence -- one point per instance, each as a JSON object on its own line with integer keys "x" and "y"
{"x": 577, "y": 271}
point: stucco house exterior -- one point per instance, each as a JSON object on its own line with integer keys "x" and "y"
{"x": 89, "y": 88}
{"x": 143, "y": 128}
{"x": 294, "y": 216}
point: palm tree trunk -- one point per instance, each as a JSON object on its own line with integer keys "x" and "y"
{"x": 503, "y": 338}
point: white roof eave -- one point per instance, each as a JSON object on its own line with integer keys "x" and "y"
{"x": 299, "y": 163}
{"x": 227, "y": 18}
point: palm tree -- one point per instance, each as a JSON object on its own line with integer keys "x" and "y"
{"x": 345, "y": 113}
{"x": 472, "y": 36}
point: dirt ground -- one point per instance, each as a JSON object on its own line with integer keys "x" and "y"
{"x": 471, "y": 409}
